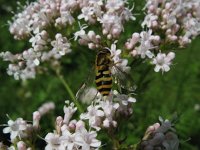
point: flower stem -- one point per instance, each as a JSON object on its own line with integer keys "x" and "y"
{"x": 71, "y": 94}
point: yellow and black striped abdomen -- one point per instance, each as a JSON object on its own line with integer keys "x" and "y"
{"x": 103, "y": 79}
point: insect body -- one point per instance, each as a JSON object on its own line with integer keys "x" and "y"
{"x": 103, "y": 77}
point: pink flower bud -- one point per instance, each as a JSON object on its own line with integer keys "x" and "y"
{"x": 174, "y": 37}
{"x": 72, "y": 125}
{"x": 36, "y": 115}
{"x": 82, "y": 42}
{"x": 21, "y": 145}
{"x": 171, "y": 55}
{"x": 36, "y": 119}
{"x": 105, "y": 32}
{"x": 91, "y": 35}
{"x": 134, "y": 53}
{"x": 168, "y": 5}
{"x": 154, "y": 24}
{"x": 80, "y": 124}
{"x": 136, "y": 36}
{"x": 44, "y": 34}
{"x": 116, "y": 32}
{"x": 98, "y": 37}
{"x": 129, "y": 45}
{"x": 165, "y": 16}
{"x": 109, "y": 36}
{"x": 91, "y": 46}
{"x": 106, "y": 123}
{"x": 151, "y": 8}
{"x": 59, "y": 121}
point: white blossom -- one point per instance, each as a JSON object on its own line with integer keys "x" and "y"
{"x": 61, "y": 45}
{"x": 94, "y": 115}
{"x": 87, "y": 140}
{"x": 163, "y": 61}
{"x": 53, "y": 141}
{"x": 69, "y": 111}
{"x": 109, "y": 109}
{"x": 15, "y": 128}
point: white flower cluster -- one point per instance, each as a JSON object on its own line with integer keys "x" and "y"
{"x": 90, "y": 39}
{"x": 35, "y": 15}
{"x": 173, "y": 22}
{"x": 114, "y": 17}
{"x": 119, "y": 65}
{"x": 111, "y": 14}
{"x": 21, "y": 130}
{"x": 42, "y": 13}
{"x": 161, "y": 137}
{"x": 71, "y": 134}
{"x": 24, "y": 65}
{"x": 147, "y": 45}
{"x": 102, "y": 114}
{"x": 38, "y": 19}
{"x": 179, "y": 20}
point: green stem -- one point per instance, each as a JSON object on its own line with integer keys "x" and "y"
{"x": 116, "y": 144}
{"x": 71, "y": 94}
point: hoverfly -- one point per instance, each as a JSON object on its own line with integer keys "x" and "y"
{"x": 105, "y": 78}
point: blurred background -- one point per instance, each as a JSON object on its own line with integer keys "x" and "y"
{"x": 175, "y": 92}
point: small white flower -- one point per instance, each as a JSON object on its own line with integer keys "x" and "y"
{"x": 87, "y": 140}
{"x": 81, "y": 33}
{"x": 163, "y": 61}
{"x": 87, "y": 13}
{"x": 15, "y": 128}
{"x": 145, "y": 45}
{"x": 114, "y": 5}
{"x": 67, "y": 140}
{"x": 148, "y": 20}
{"x": 94, "y": 115}
{"x": 61, "y": 45}
{"x": 115, "y": 53}
{"x": 53, "y": 141}
{"x": 69, "y": 111}
{"x": 109, "y": 109}
{"x": 36, "y": 62}
{"x": 124, "y": 102}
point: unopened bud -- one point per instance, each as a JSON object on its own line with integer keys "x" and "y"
{"x": 21, "y": 145}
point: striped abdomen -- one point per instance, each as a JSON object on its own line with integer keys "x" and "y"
{"x": 103, "y": 79}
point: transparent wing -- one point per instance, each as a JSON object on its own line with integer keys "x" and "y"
{"x": 86, "y": 86}
{"x": 123, "y": 79}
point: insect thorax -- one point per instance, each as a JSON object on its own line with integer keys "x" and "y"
{"x": 103, "y": 58}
